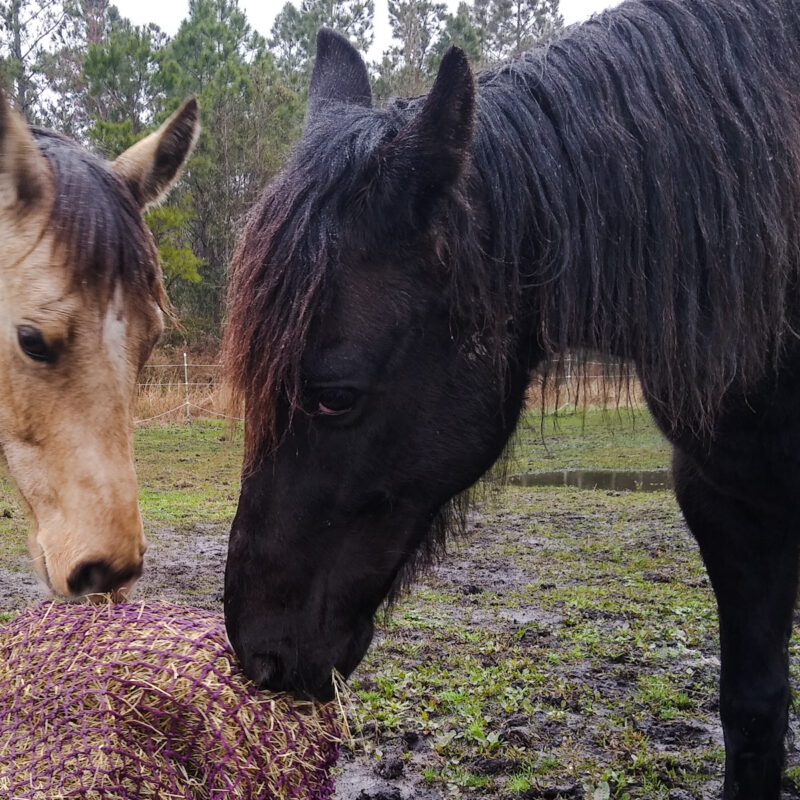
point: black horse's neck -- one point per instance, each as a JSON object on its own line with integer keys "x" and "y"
{"x": 620, "y": 209}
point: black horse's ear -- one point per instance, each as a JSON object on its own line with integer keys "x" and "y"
{"x": 429, "y": 155}
{"x": 339, "y": 76}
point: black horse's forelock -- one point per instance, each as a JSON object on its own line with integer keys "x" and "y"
{"x": 633, "y": 188}
{"x": 282, "y": 265}
{"x": 97, "y": 225}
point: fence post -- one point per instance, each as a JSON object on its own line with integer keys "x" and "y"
{"x": 569, "y": 376}
{"x": 186, "y": 385}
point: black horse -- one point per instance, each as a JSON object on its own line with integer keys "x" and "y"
{"x": 633, "y": 188}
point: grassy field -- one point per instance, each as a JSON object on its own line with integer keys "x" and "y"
{"x": 566, "y": 648}
{"x": 624, "y": 439}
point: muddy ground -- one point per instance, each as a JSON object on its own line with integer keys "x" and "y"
{"x": 565, "y": 649}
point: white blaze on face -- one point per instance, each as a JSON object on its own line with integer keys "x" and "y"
{"x": 115, "y": 336}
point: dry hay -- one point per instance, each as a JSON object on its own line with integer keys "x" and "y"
{"x": 116, "y": 702}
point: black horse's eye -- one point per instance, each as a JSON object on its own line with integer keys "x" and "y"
{"x": 334, "y": 401}
{"x": 34, "y": 345}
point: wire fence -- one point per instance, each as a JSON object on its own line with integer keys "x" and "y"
{"x": 181, "y": 392}
{"x": 578, "y": 381}
{"x": 187, "y": 390}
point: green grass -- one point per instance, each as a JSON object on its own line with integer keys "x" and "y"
{"x": 189, "y": 473}
{"x": 625, "y": 643}
{"x": 616, "y": 638}
{"x": 624, "y": 439}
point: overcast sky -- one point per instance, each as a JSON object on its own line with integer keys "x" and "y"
{"x": 167, "y": 14}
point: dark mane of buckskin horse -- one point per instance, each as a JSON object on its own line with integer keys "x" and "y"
{"x": 705, "y": 263}
{"x": 98, "y": 223}
{"x": 632, "y": 187}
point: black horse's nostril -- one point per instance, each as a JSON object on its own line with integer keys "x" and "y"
{"x": 94, "y": 577}
{"x": 269, "y": 671}
{"x": 266, "y": 671}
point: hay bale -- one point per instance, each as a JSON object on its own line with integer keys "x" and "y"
{"x": 116, "y": 702}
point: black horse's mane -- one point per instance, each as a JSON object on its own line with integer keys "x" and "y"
{"x": 643, "y": 179}
{"x": 634, "y": 188}
{"x": 97, "y": 224}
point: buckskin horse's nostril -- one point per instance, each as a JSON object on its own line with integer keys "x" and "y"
{"x": 95, "y": 577}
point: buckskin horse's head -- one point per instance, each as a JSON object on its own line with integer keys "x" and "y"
{"x": 371, "y": 400}
{"x": 80, "y": 310}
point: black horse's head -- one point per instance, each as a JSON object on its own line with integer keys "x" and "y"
{"x": 370, "y": 357}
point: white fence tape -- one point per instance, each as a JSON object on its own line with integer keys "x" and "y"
{"x": 158, "y": 416}
{"x": 187, "y": 404}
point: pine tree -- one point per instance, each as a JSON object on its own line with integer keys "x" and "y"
{"x": 27, "y": 29}
{"x": 250, "y": 118}
{"x": 172, "y": 226}
{"x": 91, "y": 29}
{"x": 119, "y": 75}
{"x": 293, "y": 38}
{"x": 406, "y": 68}
{"x": 459, "y": 30}
{"x": 510, "y": 27}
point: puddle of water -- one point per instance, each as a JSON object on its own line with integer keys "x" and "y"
{"x": 622, "y": 480}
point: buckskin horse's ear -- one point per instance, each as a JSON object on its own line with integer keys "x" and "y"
{"x": 153, "y": 164}
{"x": 339, "y": 76}
{"x": 24, "y": 174}
{"x": 428, "y": 156}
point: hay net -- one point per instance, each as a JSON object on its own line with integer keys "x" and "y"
{"x": 136, "y": 701}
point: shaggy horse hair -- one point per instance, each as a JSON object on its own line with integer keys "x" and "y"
{"x": 632, "y": 187}
{"x": 635, "y": 172}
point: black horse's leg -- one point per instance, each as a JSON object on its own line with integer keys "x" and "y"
{"x": 751, "y": 556}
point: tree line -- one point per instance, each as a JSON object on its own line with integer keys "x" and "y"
{"x": 80, "y": 67}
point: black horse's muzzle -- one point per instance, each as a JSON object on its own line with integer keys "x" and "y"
{"x": 302, "y": 664}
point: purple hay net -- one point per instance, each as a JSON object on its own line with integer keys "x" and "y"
{"x": 134, "y": 701}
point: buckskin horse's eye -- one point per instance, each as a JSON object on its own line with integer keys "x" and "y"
{"x": 334, "y": 402}
{"x": 34, "y": 345}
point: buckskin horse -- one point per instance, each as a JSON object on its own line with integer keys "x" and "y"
{"x": 82, "y": 302}
{"x": 633, "y": 188}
